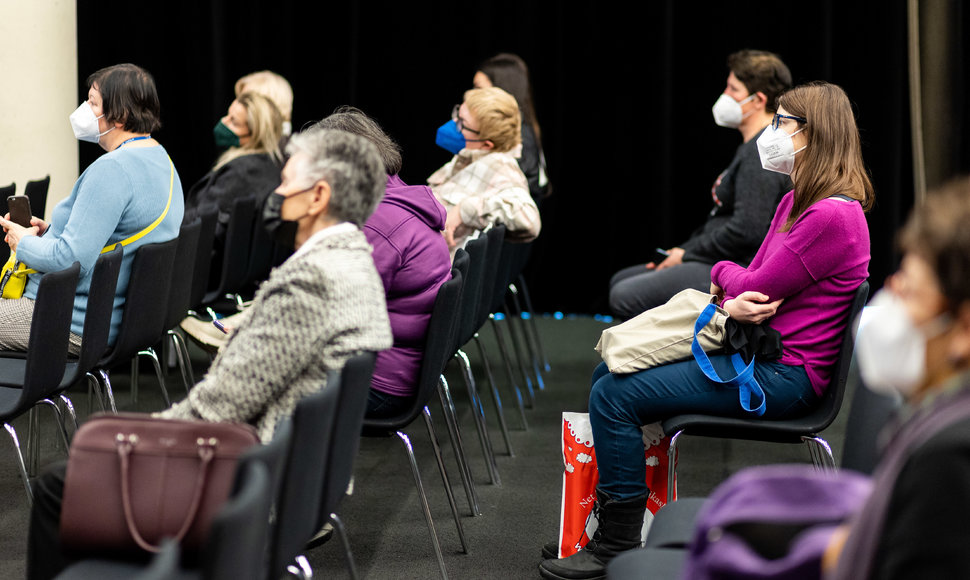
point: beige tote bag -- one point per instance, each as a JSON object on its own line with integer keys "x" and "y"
{"x": 662, "y": 334}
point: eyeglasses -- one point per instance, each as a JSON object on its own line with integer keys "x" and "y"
{"x": 458, "y": 121}
{"x": 776, "y": 120}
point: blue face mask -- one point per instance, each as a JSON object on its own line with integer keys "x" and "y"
{"x": 450, "y": 138}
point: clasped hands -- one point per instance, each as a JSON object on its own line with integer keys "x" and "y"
{"x": 749, "y": 307}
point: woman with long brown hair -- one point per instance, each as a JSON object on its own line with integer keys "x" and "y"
{"x": 801, "y": 282}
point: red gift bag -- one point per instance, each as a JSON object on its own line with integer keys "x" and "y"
{"x": 580, "y": 477}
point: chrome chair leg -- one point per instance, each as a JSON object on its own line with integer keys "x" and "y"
{"x": 341, "y": 532}
{"x": 672, "y": 465}
{"x": 439, "y": 458}
{"x": 527, "y": 338}
{"x": 150, "y": 353}
{"x": 478, "y": 412}
{"x": 106, "y": 381}
{"x": 532, "y": 319}
{"x": 518, "y": 355}
{"x": 21, "y": 464}
{"x": 454, "y": 432}
{"x": 496, "y": 399}
{"x": 60, "y": 423}
{"x": 301, "y": 568}
{"x": 503, "y": 352}
{"x": 69, "y": 405}
{"x": 821, "y": 452}
{"x": 183, "y": 358}
{"x": 424, "y": 498}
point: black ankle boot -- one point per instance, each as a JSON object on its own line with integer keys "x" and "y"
{"x": 620, "y": 523}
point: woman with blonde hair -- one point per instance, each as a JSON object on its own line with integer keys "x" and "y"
{"x": 249, "y": 167}
{"x": 483, "y": 184}
{"x": 273, "y": 86}
{"x": 801, "y": 282}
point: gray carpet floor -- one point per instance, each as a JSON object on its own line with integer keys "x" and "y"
{"x": 386, "y": 528}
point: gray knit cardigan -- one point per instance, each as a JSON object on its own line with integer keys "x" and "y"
{"x": 317, "y": 309}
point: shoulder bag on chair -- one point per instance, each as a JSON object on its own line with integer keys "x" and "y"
{"x": 688, "y": 325}
{"x": 13, "y": 276}
{"x": 133, "y": 479}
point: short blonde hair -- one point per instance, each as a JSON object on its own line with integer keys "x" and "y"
{"x": 497, "y": 113}
{"x": 272, "y": 86}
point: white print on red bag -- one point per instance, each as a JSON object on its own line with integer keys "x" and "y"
{"x": 580, "y": 477}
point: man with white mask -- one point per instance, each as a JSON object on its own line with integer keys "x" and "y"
{"x": 744, "y": 195}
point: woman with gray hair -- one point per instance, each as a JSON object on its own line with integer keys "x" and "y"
{"x": 321, "y": 306}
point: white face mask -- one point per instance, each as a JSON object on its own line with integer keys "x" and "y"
{"x": 85, "y": 124}
{"x": 777, "y": 150}
{"x": 891, "y": 349}
{"x": 727, "y": 111}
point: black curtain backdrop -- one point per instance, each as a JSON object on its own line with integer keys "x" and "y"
{"x": 623, "y": 95}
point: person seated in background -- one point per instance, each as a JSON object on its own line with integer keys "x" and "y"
{"x": 412, "y": 259}
{"x": 274, "y": 87}
{"x": 916, "y": 344}
{"x": 132, "y": 189}
{"x": 483, "y": 184}
{"x": 509, "y": 72}
{"x": 801, "y": 281}
{"x": 249, "y": 167}
{"x": 316, "y": 310}
{"x": 745, "y": 195}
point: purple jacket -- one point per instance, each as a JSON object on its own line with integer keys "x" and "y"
{"x": 816, "y": 267}
{"x": 413, "y": 261}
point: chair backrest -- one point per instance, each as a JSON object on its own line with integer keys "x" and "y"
{"x": 208, "y": 218}
{"x": 142, "y": 323}
{"x": 437, "y": 353}
{"x": 262, "y": 250}
{"x": 471, "y": 295}
{"x": 180, "y": 294}
{"x": 5, "y": 192}
{"x": 461, "y": 263}
{"x": 503, "y": 275}
{"x": 868, "y": 414}
{"x": 490, "y": 284}
{"x": 36, "y": 190}
{"x": 236, "y": 546}
{"x": 355, "y": 381}
{"x": 97, "y": 318}
{"x": 235, "y": 250}
{"x": 50, "y": 327}
{"x": 832, "y": 399}
{"x": 301, "y": 489}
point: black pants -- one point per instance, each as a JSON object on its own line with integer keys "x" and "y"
{"x": 44, "y": 556}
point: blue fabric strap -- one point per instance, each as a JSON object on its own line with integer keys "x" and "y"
{"x": 751, "y": 395}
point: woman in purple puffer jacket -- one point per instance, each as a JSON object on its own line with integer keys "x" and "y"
{"x": 412, "y": 259}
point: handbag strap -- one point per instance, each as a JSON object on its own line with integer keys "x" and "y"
{"x": 750, "y": 393}
{"x": 124, "y": 445}
{"x": 154, "y": 224}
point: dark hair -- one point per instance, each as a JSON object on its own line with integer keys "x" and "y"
{"x": 128, "y": 96}
{"x": 937, "y": 231}
{"x": 509, "y": 72}
{"x": 761, "y": 72}
{"x": 353, "y": 120}
{"x": 832, "y": 160}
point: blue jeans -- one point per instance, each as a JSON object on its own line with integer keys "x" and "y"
{"x": 620, "y": 404}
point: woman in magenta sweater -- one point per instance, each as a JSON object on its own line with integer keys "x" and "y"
{"x": 801, "y": 282}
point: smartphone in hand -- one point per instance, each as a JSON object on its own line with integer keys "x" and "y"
{"x": 19, "y": 210}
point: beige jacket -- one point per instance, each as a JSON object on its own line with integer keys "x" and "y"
{"x": 317, "y": 309}
{"x": 488, "y": 188}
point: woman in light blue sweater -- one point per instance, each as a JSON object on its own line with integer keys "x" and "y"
{"x": 131, "y": 192}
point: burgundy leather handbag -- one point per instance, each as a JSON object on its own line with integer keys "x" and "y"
{"x": 133, "y": 479}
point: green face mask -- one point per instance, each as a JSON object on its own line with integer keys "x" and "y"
{"x": 224, "y": 136}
